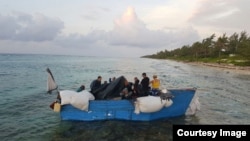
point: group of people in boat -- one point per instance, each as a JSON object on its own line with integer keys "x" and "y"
{"x": 126, "y": 89}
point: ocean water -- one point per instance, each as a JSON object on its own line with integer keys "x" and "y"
{"x": 25, "y": 114}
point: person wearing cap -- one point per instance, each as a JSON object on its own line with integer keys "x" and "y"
{"x": 155, "y": 84}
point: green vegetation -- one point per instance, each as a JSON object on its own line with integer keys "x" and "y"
{"x": 234, "y": 49}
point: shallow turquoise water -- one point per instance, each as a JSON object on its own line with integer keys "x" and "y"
{"x": 24, "y": 104}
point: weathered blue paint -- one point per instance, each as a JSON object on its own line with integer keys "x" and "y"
{"x": 124, "y": 109}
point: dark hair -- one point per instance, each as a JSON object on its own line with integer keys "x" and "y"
{"x": 99, "y": 77}
{"x": 144, "y": 73}
{"x": 82, "y": 87}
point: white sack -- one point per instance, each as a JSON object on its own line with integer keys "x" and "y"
{"x": 89, "y": 95}
{"x": 149, "y": 104}
{"x": 66, "y": 96}
{"x": 169, "y": 102}
{"x": 79, "y": 100}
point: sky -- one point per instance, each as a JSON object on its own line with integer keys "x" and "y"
{"x": 115, "y": 28}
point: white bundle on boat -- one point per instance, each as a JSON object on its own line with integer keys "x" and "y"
{"x": 66, "y": 96}
{"x": 79, "y": 100}
{"x": 149, "y": 104}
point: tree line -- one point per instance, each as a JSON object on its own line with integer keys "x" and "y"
{"x": 234, "y": 49}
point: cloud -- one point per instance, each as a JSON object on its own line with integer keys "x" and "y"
{"x": 129, "y": 30}
{"x": 128, "y": 33}
{"x": 25, "y": 27}
{"x": 93, "y": 13}
{"x": 222, "y": 16}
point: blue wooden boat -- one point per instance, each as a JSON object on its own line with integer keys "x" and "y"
{"x": 124, "y": 109}
{"x": 183, "y": 99}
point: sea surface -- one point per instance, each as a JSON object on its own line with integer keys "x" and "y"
{"x": 25, "y": 114}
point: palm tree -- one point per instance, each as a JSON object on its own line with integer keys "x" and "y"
{"x": 208, "y": 42}
{"x": 221, "y": 44}
{"x": 196, "y": 48}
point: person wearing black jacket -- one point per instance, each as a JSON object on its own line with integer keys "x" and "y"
{"x": 95, "y": 84}
{"x": 136, "y": 89}
{"x": 145, "y": 85}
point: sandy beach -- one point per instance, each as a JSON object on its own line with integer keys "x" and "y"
{"x": 224, "y": 67}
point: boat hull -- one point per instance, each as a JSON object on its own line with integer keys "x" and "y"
{"x": 125, "y": 109}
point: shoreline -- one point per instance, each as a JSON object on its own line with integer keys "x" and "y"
{"x": 223, "y": 67}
